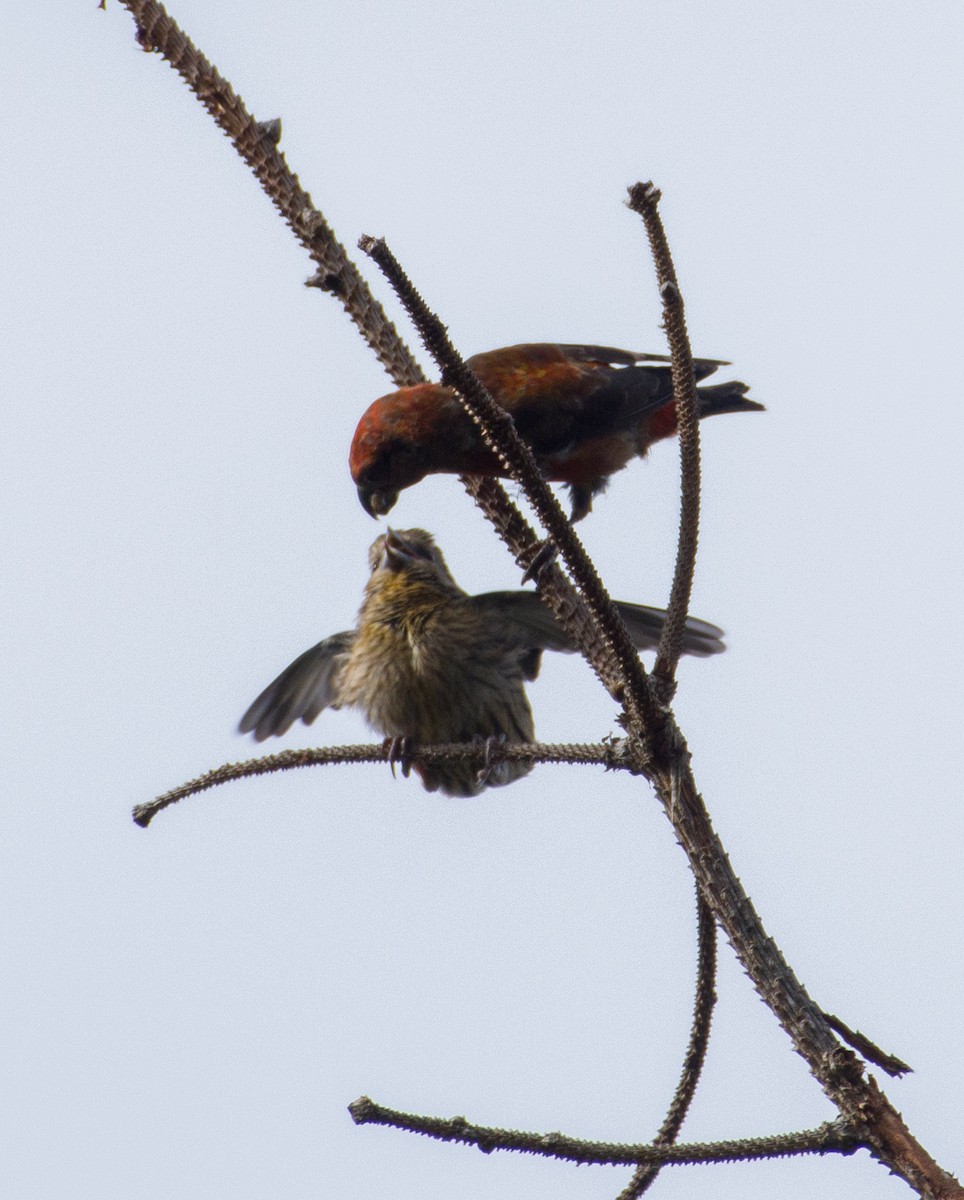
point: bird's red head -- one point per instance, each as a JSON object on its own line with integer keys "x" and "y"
{"x": 398, "y": 441}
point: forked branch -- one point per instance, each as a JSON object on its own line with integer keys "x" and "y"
{"x": 655, "y": 745}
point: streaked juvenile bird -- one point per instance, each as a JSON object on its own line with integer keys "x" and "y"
{"x": 428, "y": 662}
{"x": 584, "y": 410}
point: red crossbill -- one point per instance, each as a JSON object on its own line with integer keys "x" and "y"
{"x": 584, "y": 410}
{"x": 428, "y": 662}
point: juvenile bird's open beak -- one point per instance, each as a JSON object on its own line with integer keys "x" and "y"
{"x": 395, "y": 553}
{"x": 376, "y": 504}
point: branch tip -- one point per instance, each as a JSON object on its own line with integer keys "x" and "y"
{"x": 361, "y": 1110}
{"x": 643, "y": 195}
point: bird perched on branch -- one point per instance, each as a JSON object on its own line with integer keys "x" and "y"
{"x": 584, "y": 410}
{"x": 430, "y": 663}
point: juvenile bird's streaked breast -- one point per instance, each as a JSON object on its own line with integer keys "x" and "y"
{"x": 430, "y": 663}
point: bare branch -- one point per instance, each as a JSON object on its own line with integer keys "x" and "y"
{"x": 890, "y": 1063}
{"x": 644, "y": 199}
{"x": 605, "y": 754}
{"x": 832, "y": 1138}
{"x": 645, "y": 1175}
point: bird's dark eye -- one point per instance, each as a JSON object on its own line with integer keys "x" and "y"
{"x": 390, "y": 467}
{"x": 376, "y": 473}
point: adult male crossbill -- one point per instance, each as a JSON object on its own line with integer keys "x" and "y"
{"x": 428, "y": 662}
{"x": 584, "y": 410}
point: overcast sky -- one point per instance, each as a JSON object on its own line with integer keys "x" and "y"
{"x": 188, "y": 1010}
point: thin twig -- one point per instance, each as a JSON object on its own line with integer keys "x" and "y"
{"x": 604, "y": 754}
{"x": 832, "y": 1138}
{"x": 644, "y": 199}
{"x": 645, "y": 1175}
{"x": 890, "y": 1063}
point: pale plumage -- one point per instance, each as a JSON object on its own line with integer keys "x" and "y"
{"x": 428, "y": 662}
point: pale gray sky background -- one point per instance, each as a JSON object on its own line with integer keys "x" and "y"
{"x": 188, "y": 1010}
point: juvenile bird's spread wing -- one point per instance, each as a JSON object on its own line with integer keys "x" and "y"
{"x": 540, "y": 630}
{"x": 302, "y": 690}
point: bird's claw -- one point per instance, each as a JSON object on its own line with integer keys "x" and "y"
{"x": 490, "y": 771}
{"x": 401, "y": 750}
{"x": 543, "y": 557}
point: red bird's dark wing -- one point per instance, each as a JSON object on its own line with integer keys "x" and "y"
{"x": 587, "y": 410}
{"x": 564, "y": 396}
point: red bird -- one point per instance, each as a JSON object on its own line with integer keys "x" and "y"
{"x": 584, "y": 410}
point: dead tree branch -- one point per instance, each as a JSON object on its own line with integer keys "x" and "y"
{"x": 604, "y": 754}
{"x": 645, "y": 1174}
{"x": 833, "y": 1138}
{"x": 654, "y": 746}
{"x": 644, "y": 199}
